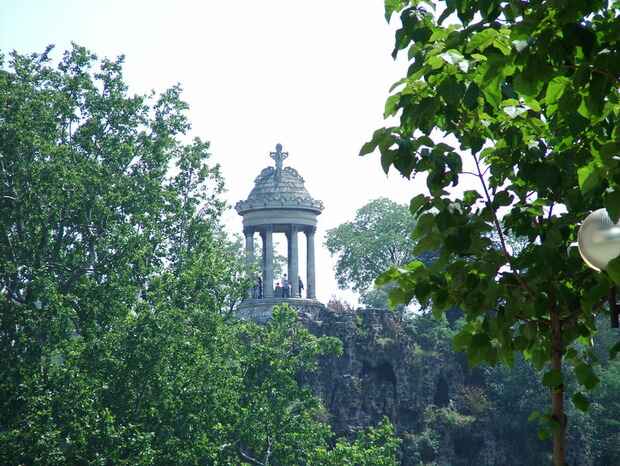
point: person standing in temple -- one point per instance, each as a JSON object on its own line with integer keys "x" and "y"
{"x": 259, "y": 288}
{"x": 301, "y": 287}
{"x": 285, "y": 287}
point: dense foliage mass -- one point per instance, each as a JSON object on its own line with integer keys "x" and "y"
{"x": 445, "y": 411}
{"x": 485, "y": 418}
{"x": 116, "y": 286}
{"x": 529, "y": 93}
{"x": 379, "y": 237}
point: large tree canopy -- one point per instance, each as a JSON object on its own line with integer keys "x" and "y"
{"x": 116, "y": 282}
{"x": 529, "y": 91}
{"x": 378, "y": 237}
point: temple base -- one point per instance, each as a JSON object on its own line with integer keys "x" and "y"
{"x": 261, "y": 310}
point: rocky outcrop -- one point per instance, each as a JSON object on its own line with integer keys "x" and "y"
{"x": 445, "y": 412}
{"x": 382, "y": 371}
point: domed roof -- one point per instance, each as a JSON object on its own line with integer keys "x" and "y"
{"x": 279, "y": 188}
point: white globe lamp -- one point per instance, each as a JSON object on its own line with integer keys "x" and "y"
{"x": 599, "y": 240}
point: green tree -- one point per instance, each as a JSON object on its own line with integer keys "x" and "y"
{"x": 92, "y": 223}
{"x": 117, "y": 284}
{"x": 379, "y": 237}
{"x": 278, "y": 417}
{"x": 529, "y": 91}
{"x": 376, "y": 447}
{"x": 604, "y": 413}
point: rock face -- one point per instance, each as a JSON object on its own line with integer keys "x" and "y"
{"x": 381, "y": 372}
{"x": 446, "y": 413}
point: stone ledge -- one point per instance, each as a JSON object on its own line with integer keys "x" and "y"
{"x": 261, "y": 310}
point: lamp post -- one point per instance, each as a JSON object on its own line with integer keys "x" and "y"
{"x": 599, "y": 243}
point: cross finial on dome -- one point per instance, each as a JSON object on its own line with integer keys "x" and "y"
{"x": 279, "y": 157}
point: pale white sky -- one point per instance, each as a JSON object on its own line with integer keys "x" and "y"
{"x": 311, "y": 75}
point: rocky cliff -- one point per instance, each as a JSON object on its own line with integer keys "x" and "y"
{"x": 405, "y": 369}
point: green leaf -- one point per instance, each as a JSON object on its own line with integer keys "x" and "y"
{"x": 533, "y": 416}
{"x": 417, "y": 202}
{"x": 580, "y": 401}
{"x": 595, "y": 99}
{"x": 470, "y": 99}
{"x": 393, "y": 6}
{"x": 425, "y": 140}
{"x": 503, "y": 44}
{"x": 555, "y": 89}
{"x": 368, "y": 148}
{"x": 586, "y": 376}
{"x": 480, "y": 341}
{"x": 387, "y": 159}
{"x": 425, "y": 113}
{"x": 482, "y": 40}
{"x": 391, "y": 106}
{"x": 502, "y": 198}
{"x": 492, "y": 88}
{"x": 435, "y": 62}
{"x": 425, "y": 225}
{"x": 609, "y": 150}
{"x": 415, "y": 265}
{"x": 589, "y": 177}
{"x": 397, "y": 296}
{"x": 451, "y": 90}
{"x": 387, "y": 277}
{"x": 461, "y": 341}
{"x": 470, "y": 196}
{"x": 530, "y": 331}
{"x": 381, "y": 138}
{"x": 611, "y": 201}
{"x": 455, "y": 164}
{"x": 532, "y": 103}
{"x": 526, "y": 85}
{"x": 371, "y": 145}
{"x": 452, "y": 56}
{"x": 427, "y": 243}
{"x": 613, "y": 269}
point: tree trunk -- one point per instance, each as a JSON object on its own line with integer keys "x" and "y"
{"x": 557, "y": 394}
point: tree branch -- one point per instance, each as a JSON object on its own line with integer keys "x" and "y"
{"x": 249, "y": 458}
{"x": 268, "y": 454}
{"x": 499, "y": 228}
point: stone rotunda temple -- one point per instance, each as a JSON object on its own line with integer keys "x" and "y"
{"x": 279, "y": 203}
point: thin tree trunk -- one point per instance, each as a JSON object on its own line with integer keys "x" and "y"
{"x": 557, "y": 394}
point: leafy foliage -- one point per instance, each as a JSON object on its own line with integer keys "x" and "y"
{"x": 117, "y": 284}
{"x": 378, "y": 446}
{"x": 529, "y": 91}
{"x": 485, "y": 418}
{"x": 379, "y": 237}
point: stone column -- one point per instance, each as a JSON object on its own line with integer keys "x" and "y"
{"x": 249, "y": 258}
{"x": 311, "y": 285}
{"x": 268, "y": 262}
{"x": 293, "y": 261}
